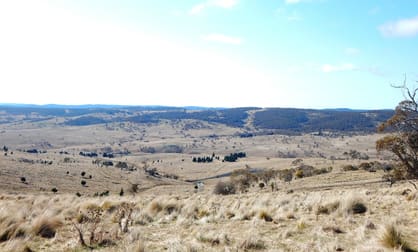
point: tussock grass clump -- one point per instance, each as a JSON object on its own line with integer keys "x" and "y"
{"x": 334, "y": 229}
{"x": 209, "y": 238}
{"x": 139, "y": 247}
{"x": 253, "y": 243}
{"x": 155, "y": 207}
{"x": 290, "y": 216}
{"x": 16, "y": 245}
{"x": 299, "y": 174}
{"x": 46, "y": 227}
{"x": 229, "y": 215}
{"x": 224, "y": 188}
{"x": 264, "y": 215}
{"x": 393, "y": 239}
{"x": 9, "y": 232}
{"x": 327, "y": 208}
{"x": 171, "y": 207}
{"x": 248, "y": 216}
{"x": 143, "y": 219}
{"x": 301, "y": 225}
{"x": 411, "y": 196}
{"x": 109, "y": 207}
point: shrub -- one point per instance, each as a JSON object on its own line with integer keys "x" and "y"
{"x": 54, "y": 190}
{"x": 133, "y": 188}
{"x": 242, "y": 179}
{"x": 299, "y": 174}
{"x": 358, "y": 208}
{"x": 322, "y": 170}
{"x": 224, "y": 188}
{"x": 23, "y": 180}
{"x": 267, "y": 175}
{"x": 83, "y": 173}
{"x": 83, "y": 182}
{"x": 403, "y": 124}
{"x": 365, "y": 166}
{"x": 90, "y": 222}
{"x": 355, "y": 206}
{"x": 121, "y": 165}
{"x": 286, "y": 175}
{"x": 350, "y": 168}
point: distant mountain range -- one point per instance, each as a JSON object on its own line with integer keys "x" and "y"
{"x": 284, "y": 120}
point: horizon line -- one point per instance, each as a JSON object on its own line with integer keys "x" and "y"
{"x": 87, "y": 105}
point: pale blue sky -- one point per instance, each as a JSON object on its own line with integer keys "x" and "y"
{"x": 223, "y": 53}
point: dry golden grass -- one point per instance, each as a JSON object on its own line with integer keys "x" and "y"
{"x": 330, "y": 211}
{"x": 204, "y": 221}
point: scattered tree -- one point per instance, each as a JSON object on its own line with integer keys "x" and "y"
{"x": 403, "y": 142}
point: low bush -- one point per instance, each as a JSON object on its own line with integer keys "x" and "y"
{"x": 350, "y": 168}
{"x": 224, "y": 188}
{"x": 355, "y": 206}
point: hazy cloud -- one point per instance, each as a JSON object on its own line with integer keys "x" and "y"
{"x": 375, "y": 71}
{"x": 292, "y": 1}
{"x": 374, "y": 11}
{"x": 327, "y": 68}
{"x": 301, "y": 1}
{"x": 400, "y": 28}
{"x": 226, "y": 4}
{"x": 290, "y": 16}
{"x": 294, "y": 16}
{"x": 351, "y": 51}
{"x": 221, "y": 38}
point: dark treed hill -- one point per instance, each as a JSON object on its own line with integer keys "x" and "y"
{"x": 86, "y": 120}
{"x": 234, "y": 117}
{"x": 55, "y": 111}
{"x": 284, "y": 120}
{"x": 308, "y": 120}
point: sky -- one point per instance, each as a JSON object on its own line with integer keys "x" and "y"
{"x": 212, "y": 53}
